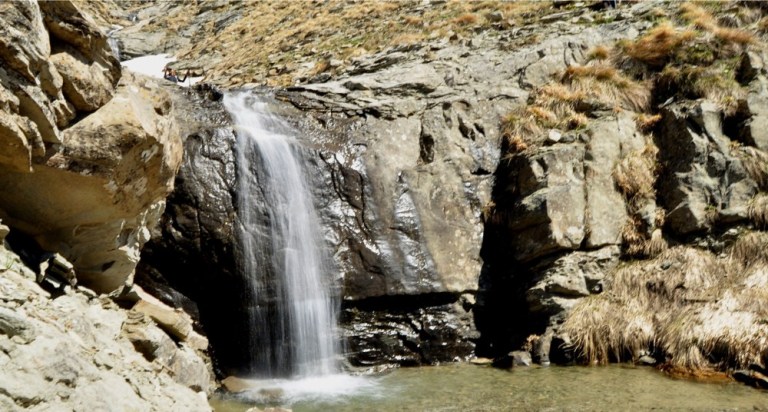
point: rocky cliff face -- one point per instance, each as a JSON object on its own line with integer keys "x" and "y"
{"x": 403, "y": 151}
{"x": 88, "y": 157}
{"x": 76, "y": 350}
{"x": 478, "y": 185}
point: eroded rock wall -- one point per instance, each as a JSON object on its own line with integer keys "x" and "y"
{"x": 72, "y": 351}
{"x": 89, "y": 156}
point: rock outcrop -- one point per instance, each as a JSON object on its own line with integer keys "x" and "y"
{"x": 88, "y": 161}
{"x": 75, "y": 351}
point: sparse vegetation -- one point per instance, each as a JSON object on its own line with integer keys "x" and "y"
{"x": 289, "y": 33}
{"x": 758, "y": 211}
{"x": 687, "y": 306}
{"x": 635, "y": 175}
{"x": 466, "y": 19}
{"x": 756, "y": 165}
{"x": 599, "y": 53}
{"x": 646, "y": 123}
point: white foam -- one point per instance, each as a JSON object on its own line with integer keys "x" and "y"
{"x": 153, "y": 65}
{"x": 328, "y": 387}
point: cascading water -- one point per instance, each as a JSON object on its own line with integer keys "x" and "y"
{"x": 113, "y": 43}
{"x": 293, "y": 313}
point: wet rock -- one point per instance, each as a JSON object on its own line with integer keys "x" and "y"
{"x": 481, "y": 361}
{"x": 412, "y": 334}
{"x": 196, "y": 257}
{"x": 646, "y": 360}
{"x": 521, "y": 358}
{"x": 403, "y": 154}
{"x": 513, "y": 359}
{"x": 751, "y": 377}
{"x": 234, "y": 384}
{"x": 542, "y": 349}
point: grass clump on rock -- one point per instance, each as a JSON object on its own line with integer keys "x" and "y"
{"x": 696, "y": 311}
{"x": 567, "y": 103}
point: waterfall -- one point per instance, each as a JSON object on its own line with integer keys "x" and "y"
{"x": 113, "y": 43}
{"x": 293, "y": 313}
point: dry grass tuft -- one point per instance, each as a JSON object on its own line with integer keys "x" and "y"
{"x": 516, "y": 144}
{"x": 757, "y": 212}
{"x": 656, "y": 245}
{"x": 762, "y": 25}
{"x": 698, "y": 16}
{"x": 413, "y": 20}
{"x": 466, "y": 19}
{"x": 734, "y": 36}
{"x": 635, "y": 175}
{"x": 646, "y": 123}
{"x": 599, "y": 53}
{"x": 605, "y": 84}
{"x": 755, "y": 163}
{"x": 703, "y": 20}
{"x": 749, "y": 251}
{"x": 657, "y": 47}
{"x": 712, "y": 83}
{"x": 701, "y": 312}
{"x": 407, "y": 38}
{"x": 561, "y": 105}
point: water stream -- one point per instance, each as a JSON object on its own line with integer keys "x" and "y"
{"x": 293, "y": 312}
{"x": 465, "y": 387}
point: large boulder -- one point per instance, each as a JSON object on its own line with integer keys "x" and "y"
{"x": 95, "y": 198}
{"x": 89, "y": 190}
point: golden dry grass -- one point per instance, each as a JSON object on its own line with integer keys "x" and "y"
{"x": 758, "y": 211}
{"x": 466, "y": 19}
{"x": 413, "y": 20}
{"x": 714, "y": 83}
{"x": 646, "y": 123}
{"x": 734, "y": 36}
{"x": 658, "y": 46}
{"x": 755, "y": 163}
{"x": 407, "y": 38}
{"x": 291, "y": 34}
{"x": 557, "y": 105}
{"x": 702, "y": 19}
{"x": 700, "y": 312}
{"x": 598, "y": 53}
{"x": 762, "y": 25}
{"x": 604, "y": 83}
{"x": 635, "y": 175}
{"x": 698, "y": 16}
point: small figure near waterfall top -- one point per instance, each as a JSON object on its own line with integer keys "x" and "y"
{"x": 170, "y": 74}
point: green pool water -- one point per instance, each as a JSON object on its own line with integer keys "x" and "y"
{"x": 465, "y": 387}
